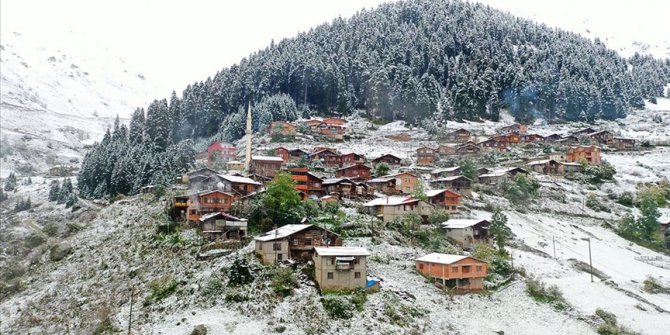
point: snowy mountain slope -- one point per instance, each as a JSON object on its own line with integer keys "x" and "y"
{"x": 62, "y": 93}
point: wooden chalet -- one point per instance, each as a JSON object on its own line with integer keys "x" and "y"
{"x": 203, "y": 173}
{"x": 222, "y": 226}
{"x": 396, "y": 207}
{"x": 445, "y": 199}
{"x": 572, "y": 167}
{"x": 356, "y": 172}
{"x": 552, "y": 138}
{"x": 345, "y": 188}
{"x": 313, "y": 124}
{"x": 467, "y": 232}
{"x": 306, "y": 182}
{"x": 385, "y": 184}
{"x": 468, "y": 150}
{"x": 546, "y": 166}
{"x": 624, "y": 143}
{"x": 482, "y": 171}
{"x": 425, "y": 156}
{"x": 603, "y": 137}
{"x": 352, "y": 158}
{"x": 238, "y": 186}
{"x": 404, "y": 182}
{"x": 497, "y": 177}
{"x": 332, "y": 132}
{"x": 516, "y": 128}
{"x": 446, "y": 149}
{"x": 590, "y": 153}
{"x": 334, "y": 121}
{"x": 388, "y": 159}
{"x": 203, "y": 203}
{"x": 583, "y": 132}
{"x": 458, "y": 184}
{"x": 532, "y": 138}
{"x": 446, "y": 172}
{"x": 493, "y": 145}
{"x": 453, "y": 272}
{"x": 297, "y": 154}
{"x": 266, "y": 166}
{"x": 283, "y": 153}
{"x": 295, "y": 242}
{"x": 327, "y": 157}
{"x": 459, "y": 136}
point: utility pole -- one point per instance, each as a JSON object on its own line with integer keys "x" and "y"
{"x": 590, "y": 261}
{"x": 130, "y": 315}
{"x": 553, "y": 239}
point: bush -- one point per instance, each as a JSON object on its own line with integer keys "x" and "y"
{"x": 59, "y": 251}
{"x": 501, "y": 266}
{"x": 541, "y": 293}
{"x": 651, "y": 285}
{"x": 338, "y": 307}
{"x": 33, "y": 240}
{"x": 610, "y": 327}
{"x": 162, "y": 288}
{"x": 214, "y": 287}
{"x": 235, "y": 296}
{"x": 626, "y": 199}
{"x": 438, "y": 216}
{"x": 12, "y": 269}
{"x": 239, "y": 273}
{"x": 283, "y": 281}
{"x": 199, "y": 330}
{"x": 521, "y": 190}
{"x": 594, "y": 203}
{"x": 608, "y": 317}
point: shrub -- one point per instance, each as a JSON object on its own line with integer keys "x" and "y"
{"x": 501, "y": 266}
{"x": 235, "y": 296}
{"x": 239, "y": 273}
{"x": 162, "y": 288}
{"x": 338, "y": 307}
{"x": 12, "y": 269}
{"x": 651, "y": 285}
{"x": 610, "y": 327}
{"x": 626, "y": 199}
{"x": 50, "y": 229}
{"x": 283, "y": 281}
{"x": 33, "y": 240}
{"x": 541, "y": 293}
{"x": 59, "y": 251}
{"x": 199, "y": 330}
{"x": 594, "y": 203}
{"x": 608, "y": 317}
{"x": 214, "y": 286}
{"x": 438, "y": 216}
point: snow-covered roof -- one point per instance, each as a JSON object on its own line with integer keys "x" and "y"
{"x": 238, "y": 179}
{"x": 571, "y": 163}
{"x": 282, "y": 232}
{"x": 441, "y": 258}
{"x": 380, "y": 180}
{"x": 432, "y": 193}
{"x": 450, "y": 178}
{"x": 461, "y": 223}
{"x": 540, "y": 162}
{"x": 267, "y": 158}
{"x": 234, "y": 162}
{"x": 390, "y": 201}
{"x": 341, "y": 251}
{"x": 330, "y": 181}
{"x": 227, "y": 216}
{"x": 449, "y": 169}
{"x": 494, "y": 174}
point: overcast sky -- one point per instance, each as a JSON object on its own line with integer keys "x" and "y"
{"x": 178, "y": 42}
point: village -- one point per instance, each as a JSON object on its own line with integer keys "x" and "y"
{"x": 389, "y": 188}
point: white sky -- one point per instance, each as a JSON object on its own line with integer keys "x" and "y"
{"x": 175, "y": 43}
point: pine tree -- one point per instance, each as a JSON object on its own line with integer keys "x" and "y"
{"x": 648, "y": 220}
{"x": 499, "y": 230}
{"x": 10, "y": 183}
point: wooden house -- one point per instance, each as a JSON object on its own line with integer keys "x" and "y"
{"x": 425, "y": 156}
{"x": 459, "y": 135}
{"x": 568, "y": 140}
{"x": 446, "y": 172}
{"x": 583, "y": 132}
{"x": 332, "y": 132}
{"x": 179, "y": 208}
{"x": 388, "y": 159}
{"x": 345, "y": 188}
{"x": 352, "y": 158}
{"x": 516, "y": 128}
{"x": 340, "y": 268}
{"x": 223, "y": 226}
{"x": 356, "y": 172}
{"x": 497, "y": 177}
{"x": 467, "y": 232}
{"x": 297, "y": 154}
{"x": 385, "y": 184}
{"x": 236, "y": 185}
{"x": 624, "y": 143}
{"x": 283, "y": 153}
{"x": 590, "y": 153}
{"x": 468, "y": 150}
{"x": 459, "y": 184}
{"x": 334, "y": 121}
{"x": 453, "y": 272}
{"x": 532, "y": 138}
{"x": 203, "y": 203}
{"x": 221, "y": 150}
{"x": 493, "y": 145}
{"x": 447, "y": 149}
{"x": 306, "y": 182}
{"x": 204, "y": 172}
{"x": 266, "y": 166}
{"x": 396, "y": 207}
{"x": 572, "y": 167}
{"x": 546, "y": 166}
{"x": 294, "y": 241}
{"x": 313, "y": 124}
{"x": 482, "y": 171}
{"x": 234, "y": 166}
{"x": 552, "y": 138}
{"x": 445, "y": 199}
{"x": 603, "y": 137}
{"x": 327, "y": 157}
{"x": 283, "y": 128}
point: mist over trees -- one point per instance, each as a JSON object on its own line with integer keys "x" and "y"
{"x": 413, "y": 60}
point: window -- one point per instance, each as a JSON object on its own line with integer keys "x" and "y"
{"x": 454, "y": 269}
{"x": 357, "y": 275}
{"x": 466, "y": 268}
{"x": 420, "y": 266}
{"x": 276, "y": 246}
{"x": 332, "y": 261}
{"x": 330, "y": 276}
{"x": 280, "y": 257}
{"x": 478, "y": 268}
{"x": 308, "y": 241}
{"x": 357, "y": 260}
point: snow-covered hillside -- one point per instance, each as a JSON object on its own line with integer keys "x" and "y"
{"x": 58, "y": 95}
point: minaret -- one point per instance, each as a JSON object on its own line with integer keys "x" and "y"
{"x": 249, "y": 134}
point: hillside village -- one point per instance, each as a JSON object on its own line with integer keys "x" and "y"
{"x": 371, "y": 221}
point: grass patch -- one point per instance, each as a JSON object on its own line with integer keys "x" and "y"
{"x": 610, "y": 326}
{"x": 162, "y": 288}
{"x": 651, "y": 285}
{"x": 341, "y": 304}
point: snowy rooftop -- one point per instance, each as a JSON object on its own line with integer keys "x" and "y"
{"x": 450, "y": 178}
{"x": 540, "y": 162}
{"x": 341, "y": 251}
{"x": 432, "y": 193}
{"x": 267, "y": 158}
{"x": 227, "y": 216}
{"x": 330, "y": 181}
{"x": 390, "y": 201}
{"x": 282, "y": 232}
{"x": 238, "y": 179}
{"x": 461, "y": 223}
{"x": 441, "y": 258}
{"x": 450, "y": 169}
